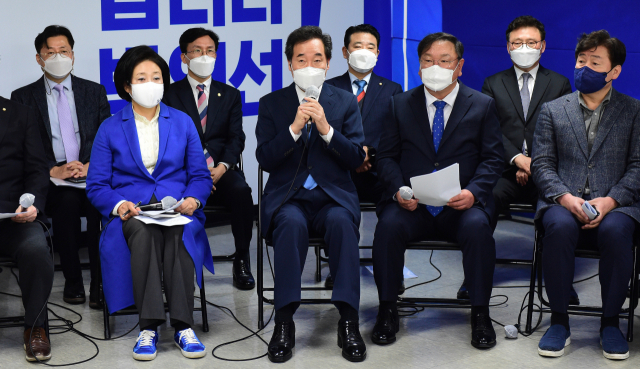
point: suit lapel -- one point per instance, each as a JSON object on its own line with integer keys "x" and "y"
{"x": 511, "y": 85}
{"x": 609, "y": 117}
{"x": 418, "y": 104}
{"x": 375, "y": 86}
{"x": 460, "y": 108}
{"x": 131, "y": 133}
{"x": 539, "y": 88}
{"x": 4, "y": 122}
{"x": 40, "y": 97}
{"x": 213, "y": 106}
{"x": 186, "y": 96}
{"x": 574, "y": 113}
{"x": 164, "y": 128}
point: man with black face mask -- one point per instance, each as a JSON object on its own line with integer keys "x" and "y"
{"x": 586, "y": 151}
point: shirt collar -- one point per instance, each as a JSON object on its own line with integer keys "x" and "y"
{"x": 533, "y": 72}
{"x": 606, "y": 100}
{"x": 354, "y": 78}
{"x": 449, "y": 99}
{"x": 66, "y": 83}
{"x": 194, "y": 84}
{"x": 301, "y": 93}
{"x": 142, "y": 119}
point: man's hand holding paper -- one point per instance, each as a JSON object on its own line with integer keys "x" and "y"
{"x": 442, "y": 188}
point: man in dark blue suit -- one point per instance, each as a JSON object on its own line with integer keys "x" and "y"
{"x": 216, "y": 110}
{"x": 434, "y": 126}
{"x": 361, "y": 49}
{"x": 586, "y": 148}
{"x": 310, "y": 188}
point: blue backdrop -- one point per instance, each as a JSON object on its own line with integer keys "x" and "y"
{"x": 481, "y": 26}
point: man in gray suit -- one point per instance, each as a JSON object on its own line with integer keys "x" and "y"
{"x": 586, "y": 147}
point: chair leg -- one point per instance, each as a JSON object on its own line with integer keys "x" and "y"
{"x": 105, "y": 315}
{"x": 260, "y": 262}
{"x": 318, "y": 265}
{"x": 532, "y": 285}
{"x": 633, "y": 299}
{"x": 203, "y": 306}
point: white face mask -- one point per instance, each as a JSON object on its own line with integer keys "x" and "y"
{"x": 524, "y": 57}
{"x": 362, "y": 61}
{"x": 58, "y": 66}
{"x": 436, "y": 78}
{"x": 147, "y": 94}
{"x": 305, "y": 77}
{"x": 202, "y": 66}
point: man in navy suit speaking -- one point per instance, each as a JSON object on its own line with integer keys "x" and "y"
{"x": 434, "y": 126}
{"x": 310, "y": 188}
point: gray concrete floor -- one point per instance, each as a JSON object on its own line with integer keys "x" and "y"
{"x": 434, "y": 338}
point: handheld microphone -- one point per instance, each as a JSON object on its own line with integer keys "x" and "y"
{"x": 26, "y": 201}
{"x": 314, "y": 93}
{"x": 406, "y": 192}
{"x": 511, "y": 331}
{"x": 165, "y": 204}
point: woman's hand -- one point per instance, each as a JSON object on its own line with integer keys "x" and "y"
{"x": 127, "y": 206}
{"x": 188, "y": 206}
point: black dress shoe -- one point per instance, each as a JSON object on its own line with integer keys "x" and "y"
{"x": 384, "y": 332}
{"x": 242, "y": 277}
{"x": 328, "y": 283}
{"x": 463, "y": 292}
{"x": 95, "y": 297}
{"x": 482, "y": 334}
{"x": 282, "y": 342}
{"x": 74, "y": 293}
{"x": 402, "y": 288}
{"x": 573, "y": 297}
{"x": 351, "y": 342}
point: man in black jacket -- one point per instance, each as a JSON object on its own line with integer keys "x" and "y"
{"x": 216, "y": 110}
{"x": 24, "y": 171}
{"x": 68, "y": 112}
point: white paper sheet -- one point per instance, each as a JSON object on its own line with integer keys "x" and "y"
{"x": 9, "y": 215}
{"x": 62, "y": 182}
{"x": 437, "y": 188}
{"x": 157, "y": 213}
{"x": 166, "y": 222}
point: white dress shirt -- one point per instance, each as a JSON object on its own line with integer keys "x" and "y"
{"x": 327, "y": 137}
{"x": 207, "y": 87}
{"x": 354, "y": 87}
{"x": 450, "y": 99}
{"x": 530, "y": 83}
{"x": 149, "y": 139}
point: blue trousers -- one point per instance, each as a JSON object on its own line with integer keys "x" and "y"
{"x": 314, "y": 210}
{"x": 470, "y": 228}
{"x": 613, "y": 238}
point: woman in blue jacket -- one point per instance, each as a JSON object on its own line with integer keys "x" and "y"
{"x": 143, "y": 153}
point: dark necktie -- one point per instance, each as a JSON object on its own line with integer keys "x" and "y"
{"x": 437, "y": 131}
{"x": 360, "y": 93}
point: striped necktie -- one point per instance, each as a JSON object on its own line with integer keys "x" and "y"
{"x": 202, "y": 107}
{"x": 360, "y": 93}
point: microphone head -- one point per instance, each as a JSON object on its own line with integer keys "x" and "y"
{"x": 312, "y": 92}
{"x": 406, "y": 192}
{"x": 510, "y": 331}
{"x": 26, "y": 200}
{"x": 168, "y": 202}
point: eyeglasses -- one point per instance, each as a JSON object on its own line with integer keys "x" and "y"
{"x": 51, "y": 54}
{"x": 530, "y": 44}
{"x": 199, "y": 52}
{"x": 443, "y": 63}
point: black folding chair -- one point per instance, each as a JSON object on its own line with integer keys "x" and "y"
{"x": 584, "y": 310}
{"x": 314, "y": 241}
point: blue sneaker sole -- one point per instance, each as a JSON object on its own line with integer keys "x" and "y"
{"x": 191, "y": 355}
{"x": 550, "y": 353}
{"x": 612, "y": 356}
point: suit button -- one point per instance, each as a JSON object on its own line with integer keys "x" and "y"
{"x": 436, "y": 164}
{"x": 579, "y": 190}
{"x": 295, "y": 189}
{"x": 590, "y": 166}
{"x": 310, "y": 166}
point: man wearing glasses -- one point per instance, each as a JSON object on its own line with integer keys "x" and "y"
{"x": 69, "y": 111}
{"x": 216, "y": 110}
{"x": 434, "y": 126}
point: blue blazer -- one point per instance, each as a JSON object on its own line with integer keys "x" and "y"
{"x": 330, "y": 165}
{"x": 375, "y": 108}
{"x": 561, "y": 161}
{"x": 117, "y": 173}
{"x": 471, "y": 138}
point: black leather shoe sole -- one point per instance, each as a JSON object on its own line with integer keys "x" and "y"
{"x": 243, "y": 285}
{"x": 95, "y": 305}
{"x": 463, "y": 295}
{"x": 280, "y": 359}
{"x": 351, "y": 358}
{"x": 383, "y": 342}
{"x": 574, "y": 301}
{"x": 74, "y": 300}
{"x": 328, "y": 283}
{"x": 483, "y": 345}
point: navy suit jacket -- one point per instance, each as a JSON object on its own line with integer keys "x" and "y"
{"x": 329, "y": 164}
{"x": 92, "y": 108}
{"x": 471, "y": 138}
{"x": 223, "y": 137}
{"x": 562, "y": 162}
{"x": 375, "y": 108}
